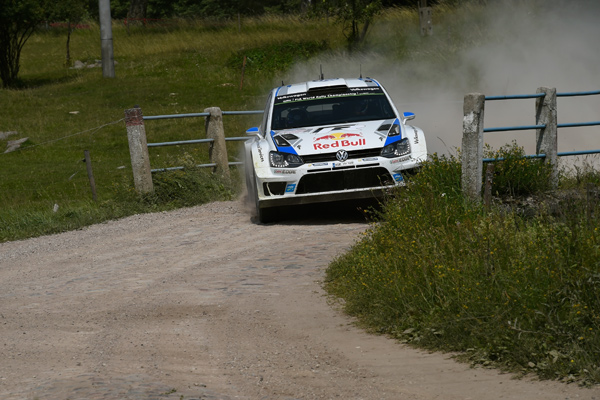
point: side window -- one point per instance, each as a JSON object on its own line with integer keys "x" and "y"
{"x": 265, "y": 120}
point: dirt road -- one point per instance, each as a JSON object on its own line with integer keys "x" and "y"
{"x": 201, "y": 303}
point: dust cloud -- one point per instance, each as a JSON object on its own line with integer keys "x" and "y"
{"x": 502, "y": 47}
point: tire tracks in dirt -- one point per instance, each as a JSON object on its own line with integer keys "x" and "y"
{"x": 203, "y": 303}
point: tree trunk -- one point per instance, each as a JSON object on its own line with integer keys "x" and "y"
{"x": 137, "y": 12}
{"x": 68, "y": 60}
{"x": 12, "y": 40}
{"x": 364, "y": 30}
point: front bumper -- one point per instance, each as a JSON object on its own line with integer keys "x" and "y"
{"x": 278, "y": 201}
{"x": 334, "y": 181}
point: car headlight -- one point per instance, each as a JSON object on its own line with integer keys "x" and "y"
{"x": 396, "y": 149}
{"x": 284, "y": 160}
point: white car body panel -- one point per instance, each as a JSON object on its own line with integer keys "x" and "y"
{"x": 317, "y": 175}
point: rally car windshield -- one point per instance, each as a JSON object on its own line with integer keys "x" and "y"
{"x": 330, "y": 110}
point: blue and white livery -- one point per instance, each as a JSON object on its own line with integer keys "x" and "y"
{"x": 329, "y": 140}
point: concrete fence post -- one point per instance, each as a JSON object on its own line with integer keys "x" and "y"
{"x": 425, "y": 21}
{"x": 472, "y": 145}
{"x": 138, "y": 149}
{"x": 218, "y": 149}
{"x": 546, "y": 139}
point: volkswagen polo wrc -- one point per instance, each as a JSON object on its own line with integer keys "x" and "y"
{"x": 329, "y": 140}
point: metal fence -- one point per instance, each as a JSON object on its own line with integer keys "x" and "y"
{"x": 546, "y": 127}
{"x": 542, "y": 126}
{"x": 215, "y": 136}
{"x": 196, "y": 141}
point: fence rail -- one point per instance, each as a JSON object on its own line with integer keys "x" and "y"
{"x": 546, "y": 134}
{"x": 195, "y": 141}
{"x": 538, "y": 95}
{"x": 562, "y": 154}
{"x": 138, "y": 146}
{"x": 203, "y": 114}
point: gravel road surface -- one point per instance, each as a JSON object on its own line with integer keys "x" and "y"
{"x": 204, "y": 303}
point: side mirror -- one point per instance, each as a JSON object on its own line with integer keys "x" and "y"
{"x": 407, "y": 116}
{"x": 253, "y": 131}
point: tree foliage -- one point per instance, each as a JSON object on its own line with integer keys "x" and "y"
{"x": 354, "y": 15}
{"x": 214, "y": 9}
{"x": 137, "y": 9}
{"x": 72, "y": 12}
{"x": 18, "y": 19}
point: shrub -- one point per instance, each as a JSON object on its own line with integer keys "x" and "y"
{"x": 517, "y": 175}
{"x": 442, "y": 273}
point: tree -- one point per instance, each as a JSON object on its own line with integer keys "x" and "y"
{"x": 18, "y": 19}
{"x": 73, "y": 12}
{"x": 354, "y": 15}
{"x": 137, "y": 11}
{"x": 217, "y": 9}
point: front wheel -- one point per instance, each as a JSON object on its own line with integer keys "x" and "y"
{"x": 250, "y": 179}
{"x": 264, "y": 215}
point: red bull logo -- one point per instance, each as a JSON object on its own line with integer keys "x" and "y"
{"x": 339, "y": 139}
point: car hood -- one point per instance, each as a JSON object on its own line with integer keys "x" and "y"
{"x": 330, "y": 138}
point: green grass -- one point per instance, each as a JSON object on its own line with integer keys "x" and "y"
{"x": 504, "y": 288}
{"x": 513, "y": 289}
{"x": 184, "y": 67}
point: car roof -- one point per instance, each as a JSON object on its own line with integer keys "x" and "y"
{"x": 325, "y": 84}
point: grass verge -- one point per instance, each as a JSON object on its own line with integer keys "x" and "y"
{"x": 505, "y": 288}
{"x": 183, "y": 67}
{"x": 176, "y": 189}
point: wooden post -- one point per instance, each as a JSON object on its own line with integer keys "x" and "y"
{"x": 88, "y": 165}
{"x": 425, "y": 18}
{"x": 218, "y": 149}
{"x": 138, "y": 149}
{"x": 472, "y": 145}
{"x": 547, "y": 138}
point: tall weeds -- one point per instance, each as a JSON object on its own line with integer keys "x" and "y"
{"x": 519, "y": 292}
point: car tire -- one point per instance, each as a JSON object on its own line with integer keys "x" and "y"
{"x": 264, "y": 215}
{"x": 267, "y": 215}
{"x": 250, "y": 179}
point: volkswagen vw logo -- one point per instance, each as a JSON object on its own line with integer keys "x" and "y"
{"x": 341, "y": 155}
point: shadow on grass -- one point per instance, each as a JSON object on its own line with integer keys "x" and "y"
{"x": 35, "y": 82}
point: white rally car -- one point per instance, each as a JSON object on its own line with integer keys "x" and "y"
{"x": 329, "y": 140}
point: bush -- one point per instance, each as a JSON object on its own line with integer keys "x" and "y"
{"x": 189, "y": 187}
{"x": 441, "y": 272}
{"x": 517, "y": 175}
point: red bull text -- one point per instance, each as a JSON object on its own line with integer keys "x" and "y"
{"x": 340, "y": 143}
{"x": 339, "y": 140}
